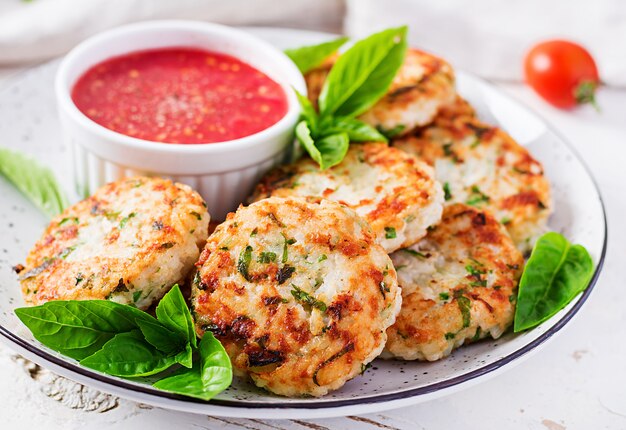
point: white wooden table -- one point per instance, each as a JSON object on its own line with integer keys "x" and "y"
{"x": 578, "y": 381}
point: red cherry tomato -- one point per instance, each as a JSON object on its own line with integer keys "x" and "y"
{"x": 562, "y": 72}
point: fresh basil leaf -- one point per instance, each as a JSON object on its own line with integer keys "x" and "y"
{"x": 173, "y": 313}
{"x": 162, "y": 338}
{"x": 333, "y": 149}
{"x": 308, "y": 111}
{"x": 129, "y": 355}
{"x": 185, "y": 357}
{"x": 79, "y": 328}
{"x": 357, "y": 130}
{"x": 363, "y": 74}
{"x": 211, "y": 375}
{"x": 310, "y": 57}
{"x": 33, "y": 180}
{"x": 303, "y": 134}
{"x": 328, "y": 151}
{"x": 554, "y": 274}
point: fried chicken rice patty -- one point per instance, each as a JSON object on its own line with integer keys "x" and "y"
{"x": 458, "y": 285}
{"x": 483, "y": 166}
{"x": 423, "y": 85}
{"x": 393, "y": 191}
{"x": 128, "y": 243}
{"x": 298, "y": 292}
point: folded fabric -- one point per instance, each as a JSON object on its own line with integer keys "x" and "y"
{"x": 490, "y": 37}
{"x": 39, "y": 29}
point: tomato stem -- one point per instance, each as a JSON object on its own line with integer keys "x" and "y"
{"x": 585, "y": 92}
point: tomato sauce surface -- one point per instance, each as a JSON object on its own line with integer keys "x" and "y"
{"x": 180, "y": 95}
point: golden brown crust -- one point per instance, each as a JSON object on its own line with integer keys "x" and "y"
{"x": 458, "y": 285}
{"x": 298, "y": 292}
{"x": 482, "y": 165}
{"x": 393, "y": 191}
{"x": 129, "y": 242}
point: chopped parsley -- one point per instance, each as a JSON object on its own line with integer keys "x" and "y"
{"x": 465, "y": 306}
{"x": 473, "y": 271}
{"x": 243, "y": 263}
{"x": 414, "y": 253}
{"x": 364, "y": 367}
{"x": 447, "y": 195}
{"x": 267, "y": 257}
{"x": 285, "y": 250}
{"x": 477, "y": 334}
{"x": 477, "y": 197}
{"x": 111, "y": 216}
{"x": 390, "y": 233}
{"x": 505, "y": 220}
{"x": 66, "y": 220}
{"x": 307, "y": 299}
{"x": 127, "y": 218}
{"x": 476, "y": 274}
{"x": 450, "y": 336}
{"x": 322, "y": 258}
{"x": 196, "y": 214}
{"x": 254, "y": 232}
{"x": 444, "y": 296}
{"x": 447, "y": 149}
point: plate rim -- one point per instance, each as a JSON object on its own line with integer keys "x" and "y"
{"x": 457, "y": 381}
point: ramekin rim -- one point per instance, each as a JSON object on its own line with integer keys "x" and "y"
{"x": 65, "y": 102}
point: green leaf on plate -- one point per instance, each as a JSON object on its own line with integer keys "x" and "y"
{"x": 363, "y": 74}
{"x": 173, "y": 313}
{"x": 211, "y": 375}
{"x": 162, "y": 338}
{"x": 357, "y": 130}
{"x": 333, "y": 149}
{"x": 79, "y": 328}
{"x": 310, "y": 57}
{"x": 33, "y": 180}
{"x": 555, "y": 273}
{"x": 185, "y": 357}
{"x": 327, "y": 151}
{"x": 129, "y": 355}
{"x": 308, "y": 111}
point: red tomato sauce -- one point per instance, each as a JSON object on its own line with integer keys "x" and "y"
{"x": 180, "y": 95}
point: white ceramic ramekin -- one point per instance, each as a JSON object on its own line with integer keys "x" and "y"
{"x": 224, "y": 173}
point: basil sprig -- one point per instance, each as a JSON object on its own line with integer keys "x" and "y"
{"x": 33, "y": 180}
{"x": 554, "y": 274}
{"x": 310, "y": 57}
{"x": 123, "y": 341}
{"x": 209, "y": 376}
{"x": 359, "y": 78}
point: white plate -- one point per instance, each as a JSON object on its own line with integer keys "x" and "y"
{"x": 28, "y": 122}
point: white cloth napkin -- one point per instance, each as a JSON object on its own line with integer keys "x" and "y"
{"x": 39, "y": 29}
{"x": 490, "y": 37}
{"x": 487, "y": 37}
